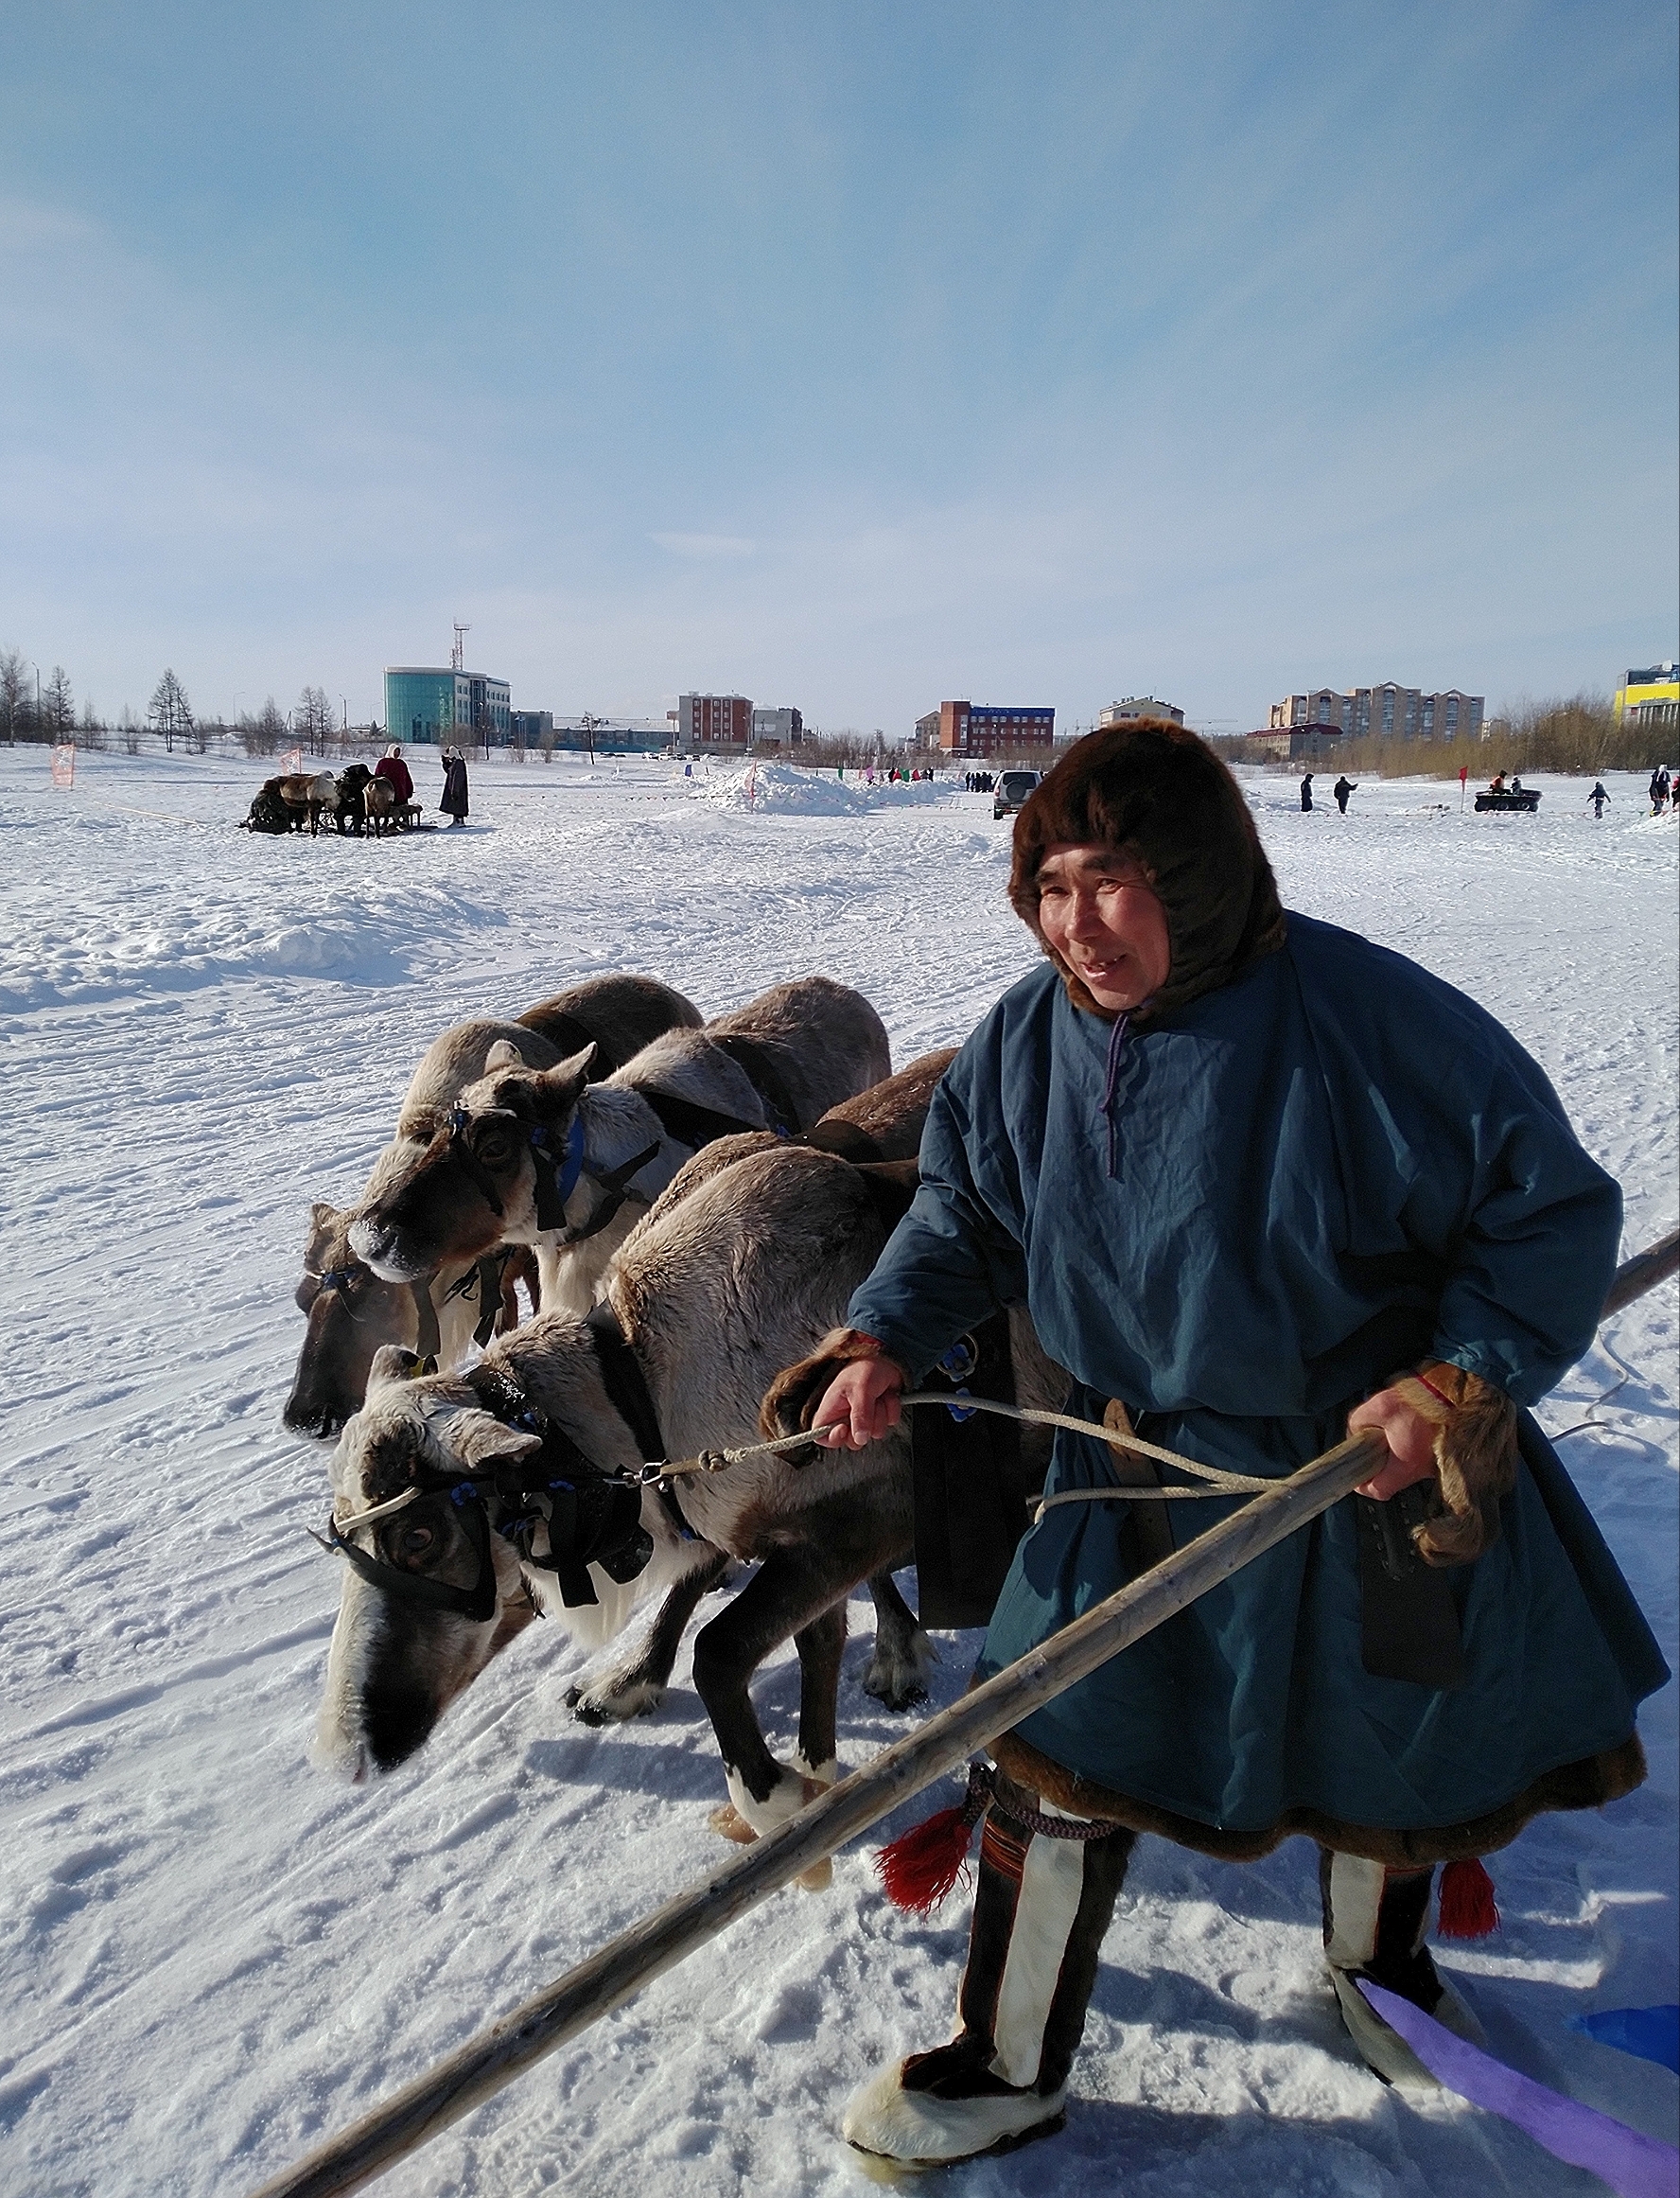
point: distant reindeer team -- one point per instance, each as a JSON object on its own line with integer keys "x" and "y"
{"x": 355, "y": 799}
{"x": 687, "y": 1205}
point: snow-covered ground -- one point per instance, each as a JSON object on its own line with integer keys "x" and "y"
{"x": 210, "y": 1956}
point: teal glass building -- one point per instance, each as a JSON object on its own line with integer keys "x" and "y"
{"x": 424, "y": 702}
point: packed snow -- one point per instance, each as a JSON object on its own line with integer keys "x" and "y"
{"x": 213, "y": 1956}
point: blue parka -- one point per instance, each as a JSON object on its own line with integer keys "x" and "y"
{"x": 1240, "y": 1220}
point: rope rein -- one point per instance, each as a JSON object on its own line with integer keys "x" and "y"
{"x": 1221, "y": 1483}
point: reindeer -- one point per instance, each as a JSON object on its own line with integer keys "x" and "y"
{"x": 349, "y": 810}
{"x": 539, "y": 1157}
{"x": 740, "y": 1269}
{"x": 711, "y": 1298}
{"x": 381, "y": 807}
{"x": 351, "y": 1310}
{"x": 305, "y": 795}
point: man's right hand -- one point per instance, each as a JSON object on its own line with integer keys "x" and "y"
{"x": 864, "y": 1400}
{"x": 847, "y": 1378}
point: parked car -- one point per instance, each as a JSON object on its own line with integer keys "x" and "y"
{"x": 1012, "y": 790}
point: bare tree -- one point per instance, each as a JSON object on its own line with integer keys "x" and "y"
{"x": 15, "y": 696}
{"x": 58, "y": 706}
{"x": 171, "y": 711}
{"x": 312, "y": 720}
{"x": 90, "y": 729}
{"x": 265, "y": 733}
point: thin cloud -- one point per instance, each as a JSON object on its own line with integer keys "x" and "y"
{"x": 706, "y": 549}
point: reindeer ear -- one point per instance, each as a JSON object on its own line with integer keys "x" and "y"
{"x": 504, "y": 1054}
{"x": 478, "y": 1439}
{"x": 560, "y": 1085}
{"x": 392, "y": 1364}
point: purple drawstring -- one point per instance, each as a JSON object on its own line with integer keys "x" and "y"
{"x": 1117, "y": 1047}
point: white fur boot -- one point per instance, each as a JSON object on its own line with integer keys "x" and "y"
{"x": 1375, "y": 1921}
{"x": 1042, "y": 1905}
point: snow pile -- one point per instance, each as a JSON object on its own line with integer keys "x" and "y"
{"x": 787, "y": 790}
{"x": 210, "y": 1955}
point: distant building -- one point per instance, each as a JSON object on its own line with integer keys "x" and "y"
{"x": 1301, "y": 744}
{"x": 714, "y": 721}
{"x": 1651, "y": 697}
{"x": 426, "y": 703}
{"x": 1136, "y": 706}
{"x": 985, "y": 728}
{"x": 530, "y": 728}
{"x": 786, "y": 727}
{"x": 1389, "y": 712}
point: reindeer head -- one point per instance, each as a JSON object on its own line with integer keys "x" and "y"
{"x": 476, "y": 1181}
{"x": 352, "y": 1313}
{"x": 436, "y": 1593}
{"x": 439, "y": 1508}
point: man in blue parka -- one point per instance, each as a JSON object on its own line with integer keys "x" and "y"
{"x": 1258, "y": 1182}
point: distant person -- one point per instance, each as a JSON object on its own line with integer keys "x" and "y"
{"x": 1516, "y": 785}
{"x": 1342, "y": 789}
{"x": 1306, "y": 791}
{"x": 1659, "y": 790}
{"x": 454, "y": 799}
{"x": 1497, "y": 783}
{"x": 390, "y": 766}
{"x": 1598, "y": 797}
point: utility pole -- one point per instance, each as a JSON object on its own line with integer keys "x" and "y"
{"x": 587, "y": 725}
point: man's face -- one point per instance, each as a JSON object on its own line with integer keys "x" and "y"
{"x": 1100, "y": 914}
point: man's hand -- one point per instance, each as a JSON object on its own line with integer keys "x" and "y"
{"x": 864, "y": 1399}
{"x": 1410, "y": 1439}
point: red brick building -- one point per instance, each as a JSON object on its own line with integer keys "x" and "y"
{"x": 985, "y": 729}
{"x": 715, "y": 720}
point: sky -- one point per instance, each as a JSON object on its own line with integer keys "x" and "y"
{"x": 850, "y": 355}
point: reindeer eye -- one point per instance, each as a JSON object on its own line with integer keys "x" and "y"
{"x": 497, "y": 1146}
{"x": 411, "y": 1543}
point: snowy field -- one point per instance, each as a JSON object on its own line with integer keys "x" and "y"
{"x": 211, "y": 1956}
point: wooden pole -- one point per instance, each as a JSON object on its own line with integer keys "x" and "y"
{"x": 416, "y": 2114}
{"x": 1643, "y": 1271}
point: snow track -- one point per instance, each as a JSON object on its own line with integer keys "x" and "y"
{"x": 210, "y": 1955}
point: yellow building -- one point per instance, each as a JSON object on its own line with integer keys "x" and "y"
{"x": 1651, "y": 697}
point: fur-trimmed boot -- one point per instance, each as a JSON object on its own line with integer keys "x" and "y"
{"x": 1042, "y": 1901}
{"x": 1375, "y": 1921}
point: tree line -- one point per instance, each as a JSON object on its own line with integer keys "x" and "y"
{"x": 37, "y": 709}
{"x": 1578, "y": 735}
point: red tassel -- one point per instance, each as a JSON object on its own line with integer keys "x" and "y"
{"x": 920, "y": 1867}
{"x": 1468, "y": 1908}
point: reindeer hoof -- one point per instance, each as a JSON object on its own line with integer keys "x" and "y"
{"x": 729, "y": 1823}
{"x": 615, "y": 1705}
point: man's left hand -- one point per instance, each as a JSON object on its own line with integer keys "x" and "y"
{"x": 1410, "y": 1439}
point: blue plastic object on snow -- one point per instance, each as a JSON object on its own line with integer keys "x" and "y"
{"x": 1651, "y": 2033}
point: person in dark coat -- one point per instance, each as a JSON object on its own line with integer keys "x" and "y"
{"x": 454, "y": 799}
{"x": 390, "y": 766}
{"x": 1306, "y": 791}
{"x": 1259, "y": 1182}
{"x": 1598, "y": 797}
{"x": 1342, "y": 789}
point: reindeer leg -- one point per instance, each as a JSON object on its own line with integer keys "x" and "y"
{"x": 897, "y": 1673}
{"x": 792, "y": 1591}
{"x": 820, "y": 1646}
{"x": 635, "y": 1688}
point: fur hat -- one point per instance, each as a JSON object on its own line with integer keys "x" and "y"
{"x": 1157, "y": 792}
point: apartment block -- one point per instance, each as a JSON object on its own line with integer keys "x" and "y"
{"x": 715, "y": 720}
{"x": 1388, "y": 711}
